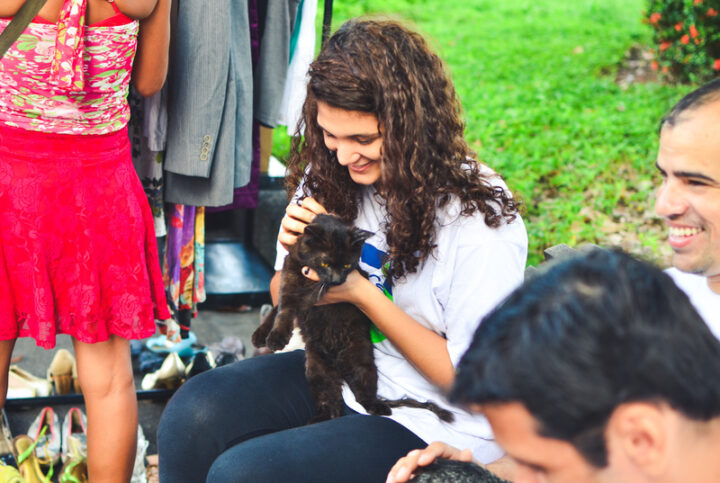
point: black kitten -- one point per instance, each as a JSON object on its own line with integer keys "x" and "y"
{"x": 337, "y": 336}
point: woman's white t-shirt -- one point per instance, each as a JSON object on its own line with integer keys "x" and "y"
{"x": 472, "y": 269}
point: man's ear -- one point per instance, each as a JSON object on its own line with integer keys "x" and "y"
{"x": 637, "y": 433}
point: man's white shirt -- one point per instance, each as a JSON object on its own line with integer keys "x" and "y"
{"x": 706, "y": 302}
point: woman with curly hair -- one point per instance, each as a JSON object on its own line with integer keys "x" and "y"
{"x": 383, "y": 148}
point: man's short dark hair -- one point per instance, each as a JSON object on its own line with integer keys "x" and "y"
{"x": 699, "y": 97}
{"x": 588, "y": 335}
{"x": 443, "y": 471}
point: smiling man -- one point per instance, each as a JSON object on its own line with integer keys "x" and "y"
{"x": 599, "y": 370}
{"x": 689, "y": 197}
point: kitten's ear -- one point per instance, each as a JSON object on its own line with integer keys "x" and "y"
{"x": 359, "y": 236}
{"x": 313, "y": 230}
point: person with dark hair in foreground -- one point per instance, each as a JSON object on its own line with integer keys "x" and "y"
{"x": 598, "y": 370}
{"x": 446, "y": 471}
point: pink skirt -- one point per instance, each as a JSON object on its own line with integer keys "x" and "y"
{"x": 78, "y": 254}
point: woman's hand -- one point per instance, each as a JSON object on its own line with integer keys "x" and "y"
{"x": 297, "y": 216}
{"x": 404, "y": 467}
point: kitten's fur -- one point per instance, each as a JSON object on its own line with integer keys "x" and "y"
{"x": 336, "y": 336}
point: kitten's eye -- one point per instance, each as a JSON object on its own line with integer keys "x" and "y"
{"x": 323, "y": 264}
{"x": 348, "y": 266}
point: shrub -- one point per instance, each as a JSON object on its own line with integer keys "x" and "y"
{"x": 687, "y": 38}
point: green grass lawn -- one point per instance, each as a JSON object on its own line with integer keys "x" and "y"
{"x": 537, "y": 83}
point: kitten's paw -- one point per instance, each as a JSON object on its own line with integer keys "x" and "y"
{"x": 259, "y": 337}
{"x": 276, "y": 340}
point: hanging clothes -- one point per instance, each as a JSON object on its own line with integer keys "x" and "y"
{"x": 143, "y": 128}
{"x": 246, "y": 197}
{"x": 301, "y": 56}
{"x": 214, "y": 96}
{"x": 184, "y": 262}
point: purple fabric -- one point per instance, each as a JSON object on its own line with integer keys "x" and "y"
{"x": 181, "y": 231}
{"x": 247, "y": 196}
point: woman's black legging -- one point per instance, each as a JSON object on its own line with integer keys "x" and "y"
{"x": 247, "y": 422}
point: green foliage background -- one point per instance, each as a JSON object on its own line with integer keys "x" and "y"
{"x": 687, "y": 37}
{"x": 536, "y": 79}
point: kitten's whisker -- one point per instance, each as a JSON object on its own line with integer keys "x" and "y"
{"x": 321, "y": 291}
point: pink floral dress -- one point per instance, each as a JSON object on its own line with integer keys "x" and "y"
{"x": 78, "y": 253}
{"x": 68, "y": 78}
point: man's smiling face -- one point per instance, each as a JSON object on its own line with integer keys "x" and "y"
{"x": 689, "y": 197}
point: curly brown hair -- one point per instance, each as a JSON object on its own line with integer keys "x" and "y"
{"x": 381, "y": 67}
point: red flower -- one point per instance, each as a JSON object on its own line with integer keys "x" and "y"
{"x": 678, "y": 26}
{"x": 665, "y": 69}
{"x": 697, "y": 2}
{"x": 711, "y": 12}
{"x": 664, "y": 46}
{"x": 693, "y": 31}
{"x": 685, "y": 39}
{"x": 655, "y": 17}
{"x": 716, "y": 65}
{"x": 654, "y": 64}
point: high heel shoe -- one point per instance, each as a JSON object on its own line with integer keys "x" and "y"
{"x": 42, "y": 387}
{"x": 63, "y": 372}
{"x": 201, "y": 362}
{"x": 28, "y": 462}
{"x": 169, "y": 376}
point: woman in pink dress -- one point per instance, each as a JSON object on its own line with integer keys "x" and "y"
{"x": 78, "y": 254}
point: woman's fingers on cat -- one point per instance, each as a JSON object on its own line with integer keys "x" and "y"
{"x": 297, "y": 216}
{"x": 310, "y": 273}
{"x": 313, "y": 206}
{"x": 287, "y": 239}
{"x": 292, "y": 225}
{"x": 403, "y": 470}
{"x": 291, "y": 229}
{"x": 304, "y": 210}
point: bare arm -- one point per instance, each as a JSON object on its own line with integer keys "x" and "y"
{"x": 275, "y": 288}
{"x": 151, "y": 60}
{"x": 137, "y": 9}
{"x": 8, "y": 8}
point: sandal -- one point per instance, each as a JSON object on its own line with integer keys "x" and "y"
{"x": 74, "y": 471}
{"x": 10, "y": 474}
{"x": 28, "y": 462}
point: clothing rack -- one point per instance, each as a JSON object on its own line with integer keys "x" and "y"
{"x": 235, "y": 272}
{"x": 327, "y": 20}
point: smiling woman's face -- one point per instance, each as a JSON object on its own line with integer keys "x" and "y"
{"x": 355, "y": 139}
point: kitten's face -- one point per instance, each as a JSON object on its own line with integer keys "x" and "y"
{"x": 331, "y": 247}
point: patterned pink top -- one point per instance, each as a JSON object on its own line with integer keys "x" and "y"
{"x": 68, "y": 78}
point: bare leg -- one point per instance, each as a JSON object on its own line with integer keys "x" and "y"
{"x": 6, "y": 349}
{"x": 106, "y": 378}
